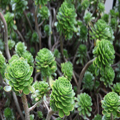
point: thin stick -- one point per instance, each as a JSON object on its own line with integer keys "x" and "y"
{"x": 82, "y": 74}
{"x": 46, "y": 105}
{"x": 50, "y": 112}
{"x": 25, "y": 105}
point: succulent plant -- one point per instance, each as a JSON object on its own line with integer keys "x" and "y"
{"x": 66, "y": 20}
{"x": 41, "y": 88}
{"x": 45, "y": 62}
{"x": 56, "y": 53}
{"x": 58, "y": 119}
{"x": 62, "y": 97}
{"x": 87, "y": 17}
{"x": 44, "y": 12}
{"x": 34, "y": 37}
{"x": 84, "y": 103}
{"x": 111, "y": 104}
{"x": 113, "y": 23}
{"x": 116, "y": 88}
{"x": 67, "y": 69}
{"x": 47, "y": 29}
{"x": 18, "y": 6}
{"x": 11, "y": 44}
{"x": 101, "y": 7}
{"x": 118, "y": 72}
{"x": 88, "y": 80}
{"x": 18, "y": 72}
{"x": 8, "y": 113}
{"x": 105, "y": 17}
{"x": 104, "y": 52}
{"x": 2, "y": 64}
{"x": 41, "y": 2}
{"x": 97, "y": 117}
{"x": 102, "y": 30}
{"x": 20, "y": 48}
{"x": 85, "y": 4}
{"x": 107, "y": 75}
{"x": 39, "y": 114}
{"x": 65, "y": 53}
{"x": 9, "y": 20}
{"x": 4, "y": 3}
{"x": 28, "y": 56}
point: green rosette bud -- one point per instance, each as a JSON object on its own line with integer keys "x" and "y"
{"x": 44, "y": 12}
{"x": 45, "y": 62}
{"x": 85, "y": 4}
{"x": 67, "y": 69}
{"x": 107, "y": 76}
{"x": 101, "y": 7}
{"x": 83, "y": 32}
{"x": 104, "y": 53}
{"x": 116, "y": 88}
{"x": 11, "y": 44}
{"x": 97, "y": 117}
{"x": 84, "y": 103}
{"x": 87, "y": 17}
{"x": 2, "y": 64}
{"x": 41, "y": 88}
{"x": 20, "y": 48}
{"x": 88, "y": 80}
{"x": 105, "y": 17}
{"x": 102, "y": 30}
{"x": 56, "y": 53}
{"x": 47, "y": 30}
{"x": 28, "y": 56}
{"x": 18, "y": 73}
{"x": 41, "y": 2}
{"x": 62, "y": 97}
{"x": 66, "y": 20}
{"x": 111, "y": 104}
{"x": 39, "y": 114}
{"x": 113, "y": 23}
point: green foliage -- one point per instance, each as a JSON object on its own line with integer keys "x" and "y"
{"x": 118, "y": 72}
{"x": 2, "y": 64}
{"x": 8, "y": 113}
{"x": 18, "y": 72}
{"x": 39, "y": 114}
{"x": 97, "y": 117}
{"x": 107, "y": 75}
{"x": 81, "y": 54}
{"x": 1, "y": 45}
{"x": 18, "y": 6}
{"x": 111, "y": 104}
{"x": 41, "y": 2}
{"x": 11, "y": 44}
{"x": 88, "y": 80}
{"x": 28, "y": 56}
{"x": 45, "y": 62}
{"x": 67, "y": 70}
{"x": 62, "y": 97}
{"x": 101, "y": 7}
{"x": 116, "y": 88}
{"x": 84, "y": 103}
{"x": 85, "y": 4}
{"x": 32, "y": 117}
{"x": 102, "y": 30}
{"x": 66, "y": 20}
{"x": 4, "y": 3}
{"x": 65, "y": 53}
{"x": 47, "y": 29}
{"x": 20, "y": 48}
{"x": 56, "y": 53}
{"x": 104, "y": 52}
{"x": 58, "y": 119}
{"x": 44, "y": 12}
{"x": 9, "y": 20}
{"x": 35, "y": 37}
{"x": 105, "y": 17}
{"x": 113, "y": 23}
{"x": 41, "y": 88}
{"x": 87, "y": 17}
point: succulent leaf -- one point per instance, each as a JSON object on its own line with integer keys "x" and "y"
{"x": 41, "y": 2}
{"x": 62, "y": 97}
{"x": 97, "y": 117}
{"x": 116, "y": 88}
{"x": 11, "y": 44}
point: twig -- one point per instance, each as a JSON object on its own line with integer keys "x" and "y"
{"x": 46, "y": 105}
{"x": 82, "y": 74}
{"x": 36, "y": 75}
{"x": 50, "y": 112}
{"x": 35, "y": 105}
{"x": 75, "y": 79}
{"x": 25, "y": 105}
{"x": 41, "y": 23}
{"x": 1, "y": 116}
{"x": 55, "y": 45}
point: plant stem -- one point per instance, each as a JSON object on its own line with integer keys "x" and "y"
{"x": 50, "y": 112}
{"x": 111, "y": 116}
{"x": 26, "y": 109}
{"x": 82, "y": 74}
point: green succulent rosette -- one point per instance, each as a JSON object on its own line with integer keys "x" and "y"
{"x": 88, "y": 80}
{"x": 44, "y": 13}
{"x": 102, "y": 30}
{"x": 41, "y": 88}
{"x": 18, "y": 6}
{"x": 107, "y": 75}
{"x": 2, "y": 64}
{"x": 116, "y": 88}
{"x": 104, "y": 53}
{"x": 45, "y": 62}
{"x": 62, "y": 97}
{"x": 111, "y": 104}
{"x": 84, "y": 103}
{"x": 101, "y": 7}
{"x": 47, "y": 30}
{"x": 11, "y": 44}
{"x": 28, "y": 56}
{"x": 67, "y": 70}
{"x": 4, "y": 3}
{"x": 56, "y": 53}
{"x": 85, "y": 4}
{"x": 97, "y": 117}
{"x": 41, "y": 2}
{"x": 18, "y": 72}
{"x": 105, "y": 17}
{"x": 66, "y": 20}
{"x": 87, "y": 17}
{"x": 20, "y": 48}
